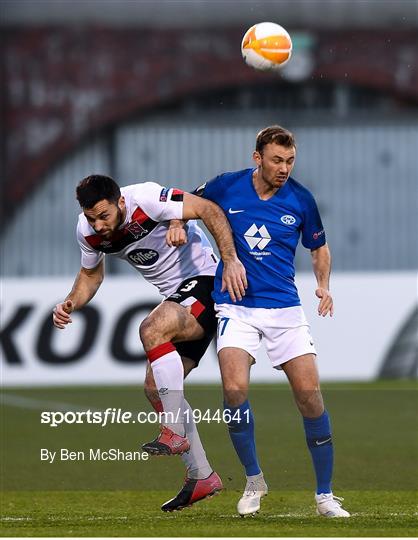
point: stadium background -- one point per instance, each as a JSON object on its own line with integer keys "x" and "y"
{"x": 157, "y": 91}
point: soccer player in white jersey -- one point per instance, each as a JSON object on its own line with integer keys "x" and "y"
{"x": 133, "y": 223}
{"x": 268, "y": 211}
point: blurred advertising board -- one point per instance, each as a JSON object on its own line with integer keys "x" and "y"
{"x": 102, "y": 346}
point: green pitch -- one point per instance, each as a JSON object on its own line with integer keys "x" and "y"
{"x": 376, "y": 446}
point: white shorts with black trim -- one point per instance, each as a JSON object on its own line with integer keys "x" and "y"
{"x": 285, "y": 331}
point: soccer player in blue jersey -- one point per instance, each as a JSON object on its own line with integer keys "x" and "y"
{"x": 268, "y": 211}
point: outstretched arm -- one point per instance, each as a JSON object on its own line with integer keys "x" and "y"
{"x": 321, "y": 263}
{"x": 85, "y": 287}
{"x": 234, "y": 278}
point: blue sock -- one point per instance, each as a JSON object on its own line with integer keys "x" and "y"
{"x": 318, "y": 437}
{"x": 241, "y": 431}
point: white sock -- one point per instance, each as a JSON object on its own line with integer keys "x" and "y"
{"x": 168, "y": 372}
{"x": 195, "y": 459}
{"x": 258, "y": 480}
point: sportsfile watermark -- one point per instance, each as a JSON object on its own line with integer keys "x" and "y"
{"x": 114, "y": 415}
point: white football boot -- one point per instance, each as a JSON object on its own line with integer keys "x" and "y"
{"x": 328, "y": 505}
{"x": 255, "y": 489}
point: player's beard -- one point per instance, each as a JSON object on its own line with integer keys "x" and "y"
{"x": 280, "y": 181}
{"x": 119, "y": 221}
{"x": 273, "y": 180}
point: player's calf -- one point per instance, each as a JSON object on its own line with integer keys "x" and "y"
{"x": 167, "y": 369}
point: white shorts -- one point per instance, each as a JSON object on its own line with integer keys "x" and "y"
{"x": 285, "y": 331}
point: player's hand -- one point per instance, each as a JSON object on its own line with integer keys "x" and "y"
{"x": 176, "y": 234}
{"x": 61, "y": 314}
{"x": 326, "y": 305}
{"x": 234, "y": 279}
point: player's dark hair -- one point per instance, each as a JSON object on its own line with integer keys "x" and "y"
{"x": 95, "y": 188}
{"x": 276, "y": 135}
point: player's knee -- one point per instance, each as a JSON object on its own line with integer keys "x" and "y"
{"x": 234, "y": 394}
{"x": 160, "y": 326}
{"x": 148, "y": 331}
{"x": 144, "y": 328}
{"x": 310, "y": 402}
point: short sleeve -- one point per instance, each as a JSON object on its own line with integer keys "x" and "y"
{"x": 210, "y": 190}
{"x": 313, "y": 233}
{"x": 160, "y": 203}
{"x": 90, "y": 257}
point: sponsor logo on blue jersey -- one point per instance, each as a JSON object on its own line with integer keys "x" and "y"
{"x": 258, "y": 238}
{"x": 143, "y": 257}
{"x": 318, "y": 234}
{"x": 288, "y": 219}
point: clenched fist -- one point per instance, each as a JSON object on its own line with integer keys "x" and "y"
{"x": 61, "y": 314}
{"x": 176, "y": 234}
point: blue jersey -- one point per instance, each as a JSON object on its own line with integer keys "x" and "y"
{"x": 266, "y": 233}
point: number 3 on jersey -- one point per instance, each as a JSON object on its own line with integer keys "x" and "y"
{"x": 189, "y": 286}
